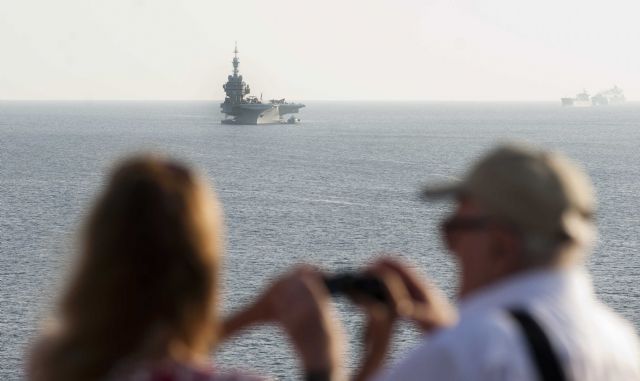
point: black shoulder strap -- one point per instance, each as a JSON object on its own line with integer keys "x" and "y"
{"x": 545, "y": 359}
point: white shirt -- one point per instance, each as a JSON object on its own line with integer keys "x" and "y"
{"x": 590, "y": 341}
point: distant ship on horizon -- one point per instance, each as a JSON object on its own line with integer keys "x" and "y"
{"x": 241, "y": 108}
{"x": 611, "y": 96}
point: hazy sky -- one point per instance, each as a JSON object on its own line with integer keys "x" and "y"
{"x": 330, "y": 49}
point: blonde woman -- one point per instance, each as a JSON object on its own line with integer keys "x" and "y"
{"x": 143, "y": 301}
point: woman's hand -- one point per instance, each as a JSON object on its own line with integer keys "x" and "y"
{"x": 299, "y": 303}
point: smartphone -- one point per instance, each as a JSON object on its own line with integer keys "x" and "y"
{"x": 353, "y": 284}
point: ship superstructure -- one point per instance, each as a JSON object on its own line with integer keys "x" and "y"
{"x": 242, "y": 108}
{"x": 581, "y": 100}
{"x": 609, "y": 97}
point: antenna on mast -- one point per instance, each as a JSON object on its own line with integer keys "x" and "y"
{"x": 236, "y": 61}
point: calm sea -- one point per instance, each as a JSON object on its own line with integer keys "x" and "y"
{"x": 335, "y": 190}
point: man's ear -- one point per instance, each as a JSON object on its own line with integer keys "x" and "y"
{"x": 508, "y": 249}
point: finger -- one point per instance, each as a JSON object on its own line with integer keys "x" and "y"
{"x": 305, "y": 268}
{"x": 397, "y": 293}
{"x": 430, "y": 308}
{"x": 379, "y": 324}
{"x": 415, "y": 284}
{"x": 313, "y": 280}
{"x": 302, "y": 296}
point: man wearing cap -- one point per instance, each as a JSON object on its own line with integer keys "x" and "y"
{"x": 527, "y": 309}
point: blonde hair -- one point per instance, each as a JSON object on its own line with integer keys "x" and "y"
{"x": 147, "y": 277}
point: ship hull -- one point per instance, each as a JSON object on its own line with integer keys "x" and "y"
{"x": 260, "y": 113}
{"x": 572, "y": 102}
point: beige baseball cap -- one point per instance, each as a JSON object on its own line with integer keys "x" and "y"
{"x": 537, "y": 191}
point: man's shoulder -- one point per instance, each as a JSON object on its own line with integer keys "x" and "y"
{"x": 478, "y": 348}
{"x": 490, "y": 329}
{"x": 607, "y": 328}
{"x": 616, "y": 323}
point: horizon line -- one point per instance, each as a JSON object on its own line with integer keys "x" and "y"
{"x": 299, "y": 100}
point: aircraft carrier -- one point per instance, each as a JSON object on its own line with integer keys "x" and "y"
{"x": 241, "y": 108}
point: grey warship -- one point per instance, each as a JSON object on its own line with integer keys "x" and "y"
{"x": 241, "y": 108}
{"x": 612, "y": 96}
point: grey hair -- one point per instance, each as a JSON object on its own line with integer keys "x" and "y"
{"x": 541, "y": 250}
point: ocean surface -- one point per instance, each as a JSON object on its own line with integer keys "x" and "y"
{"x": 336, "y": 191}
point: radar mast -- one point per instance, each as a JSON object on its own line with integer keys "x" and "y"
{"x": 236, "y": 61}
